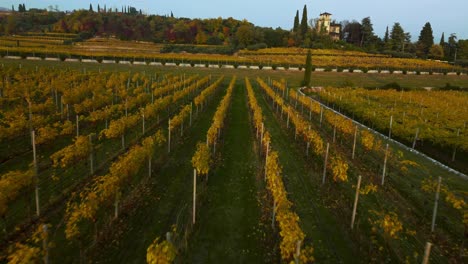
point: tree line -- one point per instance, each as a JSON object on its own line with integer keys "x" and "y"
{"x": 128, "y": 23}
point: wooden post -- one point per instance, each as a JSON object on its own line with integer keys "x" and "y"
{"x": 325, "y": 164}
{"x": 182, "y": 128}
{"x": 307, "y": 150}
{"x": 56, "y": 99}
{"x": 191, "y": 107}
{"x": 354, "y": 143}
{"x": 149, "y": 166}
{"x": 427, "y": 252}
{"x": 143, "y": 117}
{"x": 298, "y": 252}
{"x": 415, "y": 137}
{"x": 77, "y": 126}
{"x": 91, "y": 157}
{"x": 261, "y": 136}
{"x": 321, "y": 115}
{"x": 61, "y": 107}
{"x": 334, "y": 132}
{"x": 123, "y": 140}
{"x": 266, "y": 158}
{"x": 45, "y": 244}
{"x": 436, "y": 203}
{"x": 302, "y": 109}
{"x": 194, "y": 195}
{"x": 273, "y": 215}
{"x": 116, "y": 206}
{"x": 126, "y": 108}
{"x": 356, "y": 198}
{"x": 385, "y": 164}
{"x": 169, "y": 138}
{"x": 287, "y": 123}
{"x": 455, "y": 147}
{"x": 36, "y": 174}
{"x": 390, "y": 129}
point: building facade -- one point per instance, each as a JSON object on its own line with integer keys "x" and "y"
{"x": 326, "y": 25}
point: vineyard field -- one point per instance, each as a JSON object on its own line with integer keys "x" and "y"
{"x": 438, "y": 118}
{"x": 100, "y": 49}
{"x": 104, "y": 163}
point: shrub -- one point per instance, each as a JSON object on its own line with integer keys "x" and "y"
{"x": 347, "y": 84}
{"x": 256, "y": 47}
{"x": 449, "y": 87}
{"x": 392, "y": 85}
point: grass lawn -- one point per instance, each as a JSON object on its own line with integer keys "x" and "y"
{"x": 229, "y": 227}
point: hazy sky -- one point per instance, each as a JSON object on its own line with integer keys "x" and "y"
{"x": 447, "y": 16}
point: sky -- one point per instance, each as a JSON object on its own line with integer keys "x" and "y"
{"x": 447, "y": 16}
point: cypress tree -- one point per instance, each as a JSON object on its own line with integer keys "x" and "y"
{"x": 304, "y": 25}
{"x": 386, "y": 36}
{"x": 442, "y": 40}
{"x": 90, "y": 8}
{"x": 308, "y": 70}
{"x": 296, "y": 22}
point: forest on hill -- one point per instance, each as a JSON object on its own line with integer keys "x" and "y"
{"x": 129, "y": 23}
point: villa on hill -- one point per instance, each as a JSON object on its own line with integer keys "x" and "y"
{"x": 326, "y": 25}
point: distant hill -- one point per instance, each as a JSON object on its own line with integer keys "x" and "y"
{"x": 4, "y": 9}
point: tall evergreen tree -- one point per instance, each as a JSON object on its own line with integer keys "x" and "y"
{"x": 99, "y": 8}
{"x": 304, "y": 25}
{"x": 367, "y": 30}
{"x": 426, "y": 40}
{"x": 296, "y": 22}
{"x": 308, "y": 70}
{"x": 442, "y": 40}
{"x": 90, "y": 8}
{"x": 386, "y": 37}
{"x": 397, "y": 37}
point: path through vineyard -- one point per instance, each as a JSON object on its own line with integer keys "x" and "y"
{"x": 229, "y": 225}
